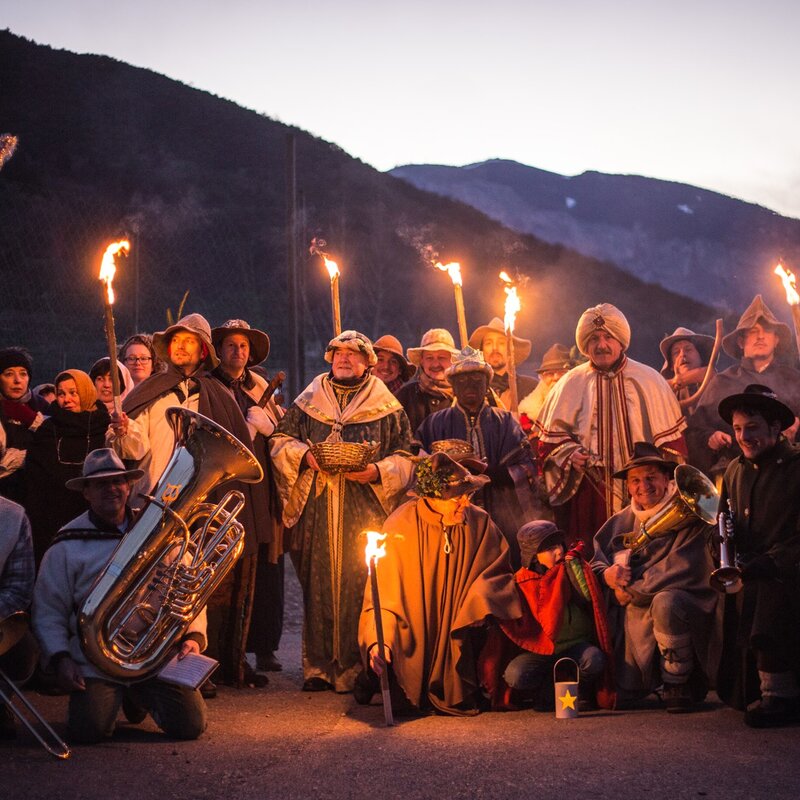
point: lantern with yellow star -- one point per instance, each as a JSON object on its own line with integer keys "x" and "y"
{"x": 566, "y": 691}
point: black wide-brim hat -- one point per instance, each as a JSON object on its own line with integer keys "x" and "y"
{"x": 761, "y": 398}
{"x": 643, "y": 454}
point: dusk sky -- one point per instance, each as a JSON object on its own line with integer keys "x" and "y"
{"x": 699, "y": 92}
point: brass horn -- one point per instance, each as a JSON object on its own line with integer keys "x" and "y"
{"x": 696, "y": 496}
{"x": 167, "y": 566}
{"x": 727, "y": 577}
{"x": 12, "y": 629}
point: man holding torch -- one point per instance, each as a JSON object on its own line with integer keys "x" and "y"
{"x": 445, "y": 577}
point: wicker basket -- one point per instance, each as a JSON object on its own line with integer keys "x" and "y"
{"x": 335, "y": 457}
{"x": 453, "y": 447}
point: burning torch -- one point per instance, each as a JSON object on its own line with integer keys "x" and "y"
{"x": 792, "y": 298}
{"x": 373, "y": 552}
{"x": 512, "y": 307}
{"x": 108, "y": 269}
{"x": 453, "y": 269}
{"x": 333, "y": 273}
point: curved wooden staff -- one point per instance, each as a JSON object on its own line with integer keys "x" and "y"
{"x": 689, "y": 401}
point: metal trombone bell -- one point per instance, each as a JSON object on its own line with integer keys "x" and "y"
{"x": 12, "y": 629}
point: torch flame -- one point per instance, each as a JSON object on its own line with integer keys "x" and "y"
{"x": 331, "y": 266}
{"x": 512, "y": 302}
{"x": 789, "y": 285}
{"x": 108, "y": 268}
{"x": 453, "y": 269}
{"x": 373, "y": 549}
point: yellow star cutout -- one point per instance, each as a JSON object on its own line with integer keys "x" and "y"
{"x": 568, "y": 700}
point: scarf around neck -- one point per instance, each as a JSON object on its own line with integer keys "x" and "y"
{"x": 435, "y": 387}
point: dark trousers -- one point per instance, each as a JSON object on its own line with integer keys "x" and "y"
{"x": 266, "y": 623}
{"x": 179, "y": 711}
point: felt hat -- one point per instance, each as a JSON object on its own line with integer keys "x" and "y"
{"x": 522, "y": 347}
{"x": 391, "y": 344}
{"x": 442, "y": 477}
{"x": 259, "y": 341}
{"x": 603, "y": 317}
{"x": 533, "y": 536}
{"x": 433, "y": 341}
{"x": 703, "y": 343}
{"x": 469, "y": 360}
{"x": 758, "y": 397}
{"x": 556, "y": 357}
{"x": 352, "y": 340}
{"x": 643, "y": 454}
{"x": 102, "y": 463}
{"x": 757, "y": 311}
{"x": 191, "y": 323}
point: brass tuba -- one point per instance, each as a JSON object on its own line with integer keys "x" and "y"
{"x": 696, "y": 496}
{"x": 175, "y": 555}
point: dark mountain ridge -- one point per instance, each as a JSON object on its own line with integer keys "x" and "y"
{"x": 694, "y": 241}
{"x": 199, "y": 183}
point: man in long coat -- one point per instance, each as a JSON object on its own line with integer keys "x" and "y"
{"x": 591, "y": 419}
{"x": 329, "y": 510}
{"x": 445, "y": 577}
{"x": 143, "y": 434}
{"x": 761, "y": 654}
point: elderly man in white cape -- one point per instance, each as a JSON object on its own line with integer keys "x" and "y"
{"x": 328, "y": 507}
{"x": 593, "y": 416}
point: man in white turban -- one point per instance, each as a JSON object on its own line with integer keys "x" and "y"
{"x": 593, "y": 416}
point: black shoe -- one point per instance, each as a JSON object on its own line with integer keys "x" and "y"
{"x": 678, "y": 698}
{"x": 366, "y": 685}
{"x": 8, "y": 729}
{"x": 208, "y": 690}
{"x": 773, "y": 712}
{"x": 268, "y": 663}
{"x": 253, "y": 679}
{"x": 133, "y": 712}
{"x": 316, "y": 685}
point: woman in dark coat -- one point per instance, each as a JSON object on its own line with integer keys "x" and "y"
{"x": 76, "y": 426}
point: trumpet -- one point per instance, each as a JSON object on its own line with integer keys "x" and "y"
{"x": 12, "y": 629}
{"x": 727, "y": 577}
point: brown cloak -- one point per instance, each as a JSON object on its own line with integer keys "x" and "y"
{"x": 430, "y": 599}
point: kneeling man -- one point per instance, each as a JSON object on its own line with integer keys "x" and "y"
{"x": 661, "y": 605}
{"x": 446, "y": 576}
{"x": 72, "y": 562}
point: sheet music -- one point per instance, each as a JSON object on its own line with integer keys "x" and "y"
{"x": 190, "y": 671}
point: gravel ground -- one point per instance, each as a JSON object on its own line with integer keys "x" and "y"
{"x": 279, "y": 742}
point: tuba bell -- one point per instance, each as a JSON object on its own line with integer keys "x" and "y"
{"x": 696, "y": 496}
{"x": 175, "y": 555}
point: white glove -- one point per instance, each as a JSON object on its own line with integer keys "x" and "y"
{"x": 260, "y": 420}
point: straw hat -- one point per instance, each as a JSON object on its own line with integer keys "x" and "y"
{"x": 433, "y": 341}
